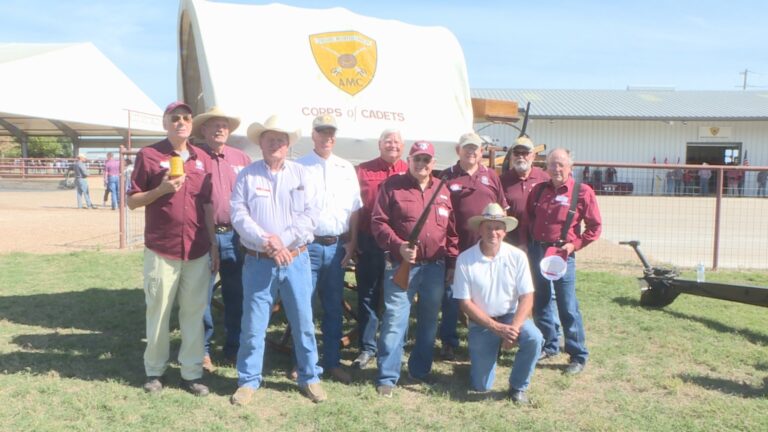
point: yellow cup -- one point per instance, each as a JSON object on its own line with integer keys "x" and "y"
{"x": 177, "y": 167}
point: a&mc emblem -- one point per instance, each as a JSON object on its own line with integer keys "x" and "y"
{"x": 347, "y": 59}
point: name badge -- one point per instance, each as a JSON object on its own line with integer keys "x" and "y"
{"x": 199, "y": 165}
{"x": 443, "y": 197}
{"x": 562, "y": 200}
{"x": 165, "y": 164}
{"x": 455, "y": 187}
{"x": 262, "y": 192}
{"x": 484, "y": 180}
{"x": 442, "y": 211}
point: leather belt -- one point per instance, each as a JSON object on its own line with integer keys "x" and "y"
{"x": 331, "y": 240}
{"x": 263, "y": 255}
{"x": 425, "y": 262}
{"x": 223, "y": 228}
{"x": 545, "y": 245}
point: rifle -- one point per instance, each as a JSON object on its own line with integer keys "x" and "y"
{"x": 401, "y": 276}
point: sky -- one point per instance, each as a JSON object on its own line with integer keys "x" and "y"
{"x": 555, "y": 44}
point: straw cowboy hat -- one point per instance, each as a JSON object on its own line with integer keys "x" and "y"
{"x": 493, "y": 212}
{"x": 274, "y": 123}
{"x": 213, "y": 112}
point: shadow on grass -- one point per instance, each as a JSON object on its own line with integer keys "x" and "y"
{"x": 748, "y": 334}
{"x": 727, "y": 386}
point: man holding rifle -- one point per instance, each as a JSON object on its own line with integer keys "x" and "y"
{"x": 413, "y": 219}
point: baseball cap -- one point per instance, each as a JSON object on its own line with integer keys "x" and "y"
{"x": 470, "y": 138}
{"x": 524, "y": 141}
{"x": 422, "y": 147}
{"x": 325, "y": 121}
{"x": 177, "y": 104}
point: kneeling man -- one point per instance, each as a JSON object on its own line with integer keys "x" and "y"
{"x": 494, "y": 288}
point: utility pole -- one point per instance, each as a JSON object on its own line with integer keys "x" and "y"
{"x": 744, "y": 84}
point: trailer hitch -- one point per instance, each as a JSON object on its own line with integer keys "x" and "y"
{"x": 662, "y": 285}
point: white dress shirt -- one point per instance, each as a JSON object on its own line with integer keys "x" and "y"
{"x": 280, "y": 203}
{"x": 337, "y": 190}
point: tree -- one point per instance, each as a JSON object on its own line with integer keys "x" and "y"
{"x": 49, "y": 147}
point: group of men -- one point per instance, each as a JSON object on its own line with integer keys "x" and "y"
{"x": 283, "y": 230}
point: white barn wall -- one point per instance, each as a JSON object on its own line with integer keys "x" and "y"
{"x": 635, "y": 141}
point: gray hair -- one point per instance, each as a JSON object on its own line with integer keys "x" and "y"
{"x": 563, "y": 150}
{"x": 389, "y": 131}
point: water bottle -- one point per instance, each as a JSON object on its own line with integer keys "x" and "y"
{"x": 700, "y": 273}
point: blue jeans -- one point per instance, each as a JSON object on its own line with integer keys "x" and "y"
{"x": 263, "y": 283}
{"x": 449, "y": 320}
{"x": 231, "y": 276}
{"x": 369, "y": 272}
{"x": 82, "y": 191}
{"x": 484, "y": 349}
{"x": 567, "y": 307}
{"x": 428, "y": 281}
{"x": 704, "y": 186}
{"x": 328, "y": 281}
{"x": 113, "y": 184}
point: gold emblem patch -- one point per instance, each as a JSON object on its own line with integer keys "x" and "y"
{"x": 714, "y": 131}
{"x": 347, "y": 59}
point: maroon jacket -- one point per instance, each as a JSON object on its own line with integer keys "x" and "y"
{"x": 398, "y": 207}
{"x": 516, "y": 190}
{"x": 470, "y": 194}
{"x": 549, "y": 211}
{"x": 371, "y": 175}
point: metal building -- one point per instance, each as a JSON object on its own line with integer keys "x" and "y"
{"x": 642, "y": 124}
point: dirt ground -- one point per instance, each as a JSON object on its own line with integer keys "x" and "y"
{"x": 38, "y": 217}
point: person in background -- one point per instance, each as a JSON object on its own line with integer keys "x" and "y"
{"x": 81, "y": 183}
{"x": 111, "y": 180}
{"x": 704, "y": 176}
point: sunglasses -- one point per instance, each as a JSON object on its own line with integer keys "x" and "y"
{"x": 422, "y": 159}
{"x": 175, "y": 118}
{"x": 521, "y": 152}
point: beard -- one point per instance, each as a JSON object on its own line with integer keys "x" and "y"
{"x": 521, "y": 166}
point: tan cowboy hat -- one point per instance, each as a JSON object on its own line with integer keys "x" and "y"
{"x": 274, "y": 123}
{"x": 213, "y": 112}
{"x": 493, "y": 212}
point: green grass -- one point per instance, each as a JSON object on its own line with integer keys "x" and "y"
{"x": 71, "y": 330}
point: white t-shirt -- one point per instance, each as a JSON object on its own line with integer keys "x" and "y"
{"x": 338, "y": 191}
{"x": 493, "y": 284}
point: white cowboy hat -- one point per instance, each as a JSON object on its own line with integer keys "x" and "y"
{"x": 553, "y": 266}
{"x": 274, "y": 123}
{"x": 213, "y": 112}
{"x": 493, "y": 212}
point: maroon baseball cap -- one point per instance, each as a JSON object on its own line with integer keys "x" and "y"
{"x": 177, "y": 104}
{"x": 422, "y": 147}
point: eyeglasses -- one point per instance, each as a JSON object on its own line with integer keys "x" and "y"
{"x": 524, "y": 153}
{"x": 176, "y": 117}
{"x": 422, "y": 159}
